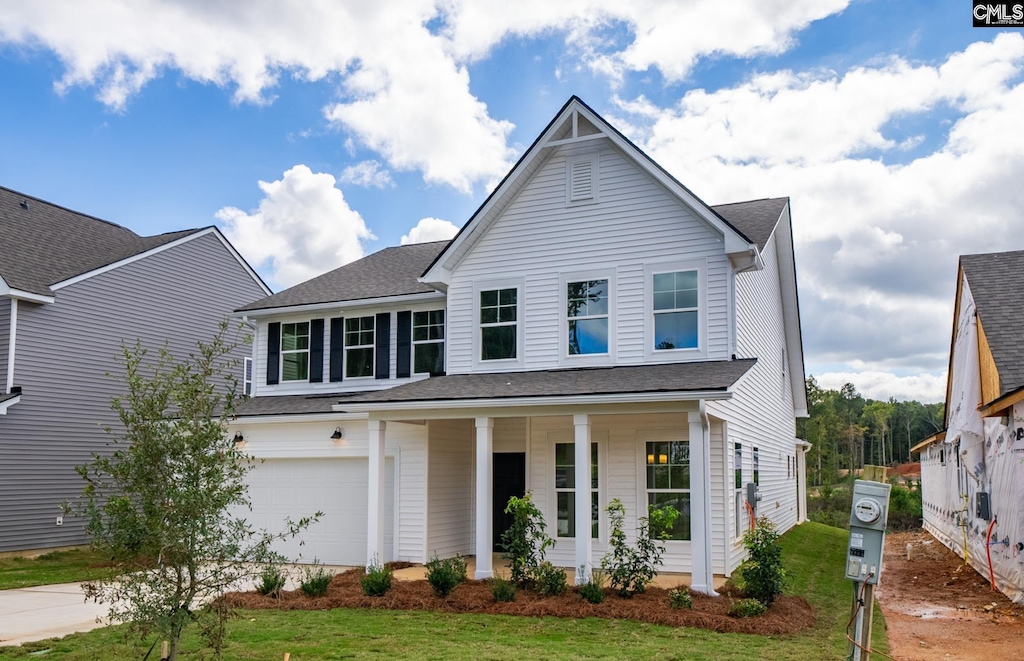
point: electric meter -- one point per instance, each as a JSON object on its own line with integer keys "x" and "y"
{"x": 867, "y": 531}
{"x": 867, "y": 510}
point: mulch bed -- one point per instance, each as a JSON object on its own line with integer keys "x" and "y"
{"x": 787, "y": 615}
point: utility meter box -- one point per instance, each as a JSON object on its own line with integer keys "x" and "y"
{"x": 753, "y": 496}
{"x": 868, "y": 517}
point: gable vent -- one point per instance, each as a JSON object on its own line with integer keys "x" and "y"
{"x": 581, "y": 180}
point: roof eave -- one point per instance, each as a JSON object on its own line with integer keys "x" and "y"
{"x": 337, "y": 305}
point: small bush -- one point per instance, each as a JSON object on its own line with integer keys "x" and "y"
{"x": 763, "y": 575}
{"x": 747, "y": 608}
{"x": 593, "y": 590}
{"x": 631, "y": 569}
{"x": 549, "y": 580}
{"x": 376, "y": 581}
{"x": 503, "y": 589}
{"x": 315, "y": 580}
{"x": 444, "y": 575}
{"x": 905, "y": 511}
{"x": 271, "y": 581}
{"x": 680, "y": 598}
{"x": 525, "y": 542}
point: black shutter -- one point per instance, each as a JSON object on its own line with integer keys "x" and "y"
{"x": 383, "y": 326}
{"x": 273, "y": 352}
{"x": 404, "y": 360}
{"x": 316, "y": 351}
{"x": 337, "y": 348}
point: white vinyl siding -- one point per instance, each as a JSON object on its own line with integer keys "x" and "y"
{"x": 450, "y": 488}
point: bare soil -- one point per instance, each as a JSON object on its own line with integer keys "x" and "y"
{"x": 787, "y": 615}
{"x": 937, "y": 608}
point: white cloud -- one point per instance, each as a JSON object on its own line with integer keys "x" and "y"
{"x": 925, "y": 388}
{"x": 368, "y": 174}
{"x": 430, "y": 229}
{"x": 303, "y": 227}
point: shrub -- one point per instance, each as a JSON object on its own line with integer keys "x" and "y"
{"x": 631, "y": 569}
{"x": 680, "y": 598}
{"x": 747, "y": 608}
{"x": 503, "y": 589}
{"x": 593, "y": 589}
{"x": 525, "y": 541}
{"x": 315, "y": 580}
{"x": 763, "y": 575}
{"x": 376, "y": 581}
{"x": 444, "y": 575}
{"x": 549, "y": 580}
{"x": 271, "y": 581}
{"x": 905, "y": 511}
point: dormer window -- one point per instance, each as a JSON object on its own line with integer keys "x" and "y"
{"x": 295, "y": 351}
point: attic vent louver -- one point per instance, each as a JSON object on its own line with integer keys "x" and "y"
{"x": 581, "y": 180}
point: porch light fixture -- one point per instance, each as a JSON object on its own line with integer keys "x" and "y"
{"x": 662, "y": 459}
{"x": 239, "y": 439}
{"x": 338, "y": 434}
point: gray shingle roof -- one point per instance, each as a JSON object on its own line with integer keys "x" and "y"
{"x": 43, "y": 244}
{"x": 997, "y": 284}
{"x": 756, "y": 219}
{"x": 289, "y": 404}
{"x": 390, "y": 272}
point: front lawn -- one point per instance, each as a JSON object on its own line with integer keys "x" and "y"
{"x": 57, "y": 567}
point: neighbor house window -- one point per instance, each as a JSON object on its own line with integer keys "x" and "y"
{"x": 295, "y": 351}
{"x": 428, "y": 342}
{"x": 359, "y": 338}
{"x": 668, "y": 481}
{"x": 247, "y": 377}
{"x": 741, "y": 508}
{"x": 675, "y": 310}
{"x": 757, "y": 466}
{"x": 587, "y": 316}
{"x": 565, "y": 489}
{"x": 498, "y": 323}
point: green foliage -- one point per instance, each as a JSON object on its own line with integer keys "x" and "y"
{"x": 376, "y": 581}
{"x": 593, "y": 589}
{"x": 444, "y": 575}
{"x": 502, "y": 589}
{"x": 271, "y": 581}
{"x": 525, "y": 542}
{"x": 549, "y": 580}
{"x": 747, "y": 608}
{"x": 162, "y": 505}
{"x": 631, "y": 568}
{"x": 680, "y": 598}
{"x": 905, "y": 509}
{"x": 763, "y": 574}
{"x": 315, "y": 580}
{"x": 831, "y": 506}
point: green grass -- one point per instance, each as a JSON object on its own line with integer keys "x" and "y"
{"x": 814, "y": 555}
{"x": 56, "y": 567}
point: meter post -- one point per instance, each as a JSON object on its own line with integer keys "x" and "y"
{"x": 868, "y": 516}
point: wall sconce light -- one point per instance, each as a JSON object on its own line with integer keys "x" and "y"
{"x": 239, "y": 439}
{"x": 338, "y": 434}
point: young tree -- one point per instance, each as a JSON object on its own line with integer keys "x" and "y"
{"x": 165, "y": 504}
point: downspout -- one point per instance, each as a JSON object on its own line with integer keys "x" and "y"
{"x": 705, "y": 425}
{"x": 12, "y": 338}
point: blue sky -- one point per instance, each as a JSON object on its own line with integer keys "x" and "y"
{"x": 893, "y": 127}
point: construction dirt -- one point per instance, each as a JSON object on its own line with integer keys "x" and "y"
{"x": 937, "y": 608}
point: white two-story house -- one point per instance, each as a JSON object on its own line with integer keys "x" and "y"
{"x": 595, "y": 331}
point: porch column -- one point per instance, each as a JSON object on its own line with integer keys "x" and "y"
{"x": 584, "y": 544}
{"x": 484, "y": 495}
{"x": 702, "y": 575}
{"x": 375, "y": 509}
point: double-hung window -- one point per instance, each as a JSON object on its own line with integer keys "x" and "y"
{"x": 359, "y": 337}
{"x": 676, "y": 310}
{"x": 587, "y": 317}
{"x": 498, "y": 323}
{"x": 668, "y": 482}
{"x": 295, "y": 351}
{"x": 565, "y": 490}
{"x": 428, "y": 342}
{"x": 741, "y": 508}
{"x": 247, "y": 377}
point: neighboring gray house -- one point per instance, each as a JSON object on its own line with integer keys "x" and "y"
{"x": 72, "y": 289}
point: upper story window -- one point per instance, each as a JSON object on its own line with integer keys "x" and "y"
{"x": 676, "y": 312}
{"x": 247, "y": 377}
{"x": 587, "y": 317}
{"x": 428, "y": 342}
{"x": 295, "y": 351}
{"x": 359, "y": 338}
{"x": 498, "y": 323}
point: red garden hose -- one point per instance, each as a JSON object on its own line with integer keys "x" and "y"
{"x": 988, "y": 552}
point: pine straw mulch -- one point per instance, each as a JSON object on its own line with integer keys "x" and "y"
{"x": 787, "y": 615}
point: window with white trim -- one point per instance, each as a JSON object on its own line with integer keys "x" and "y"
{"x": 587, "y": 317}
{"x": 565, "y": 490}
{"x": 741, "y": 508}
{"x": 676, "y": 314}
{"x": 295, "y": 351}
{"x": 359, "y": 346}
{"x": 668, "y": 482}
{"x": 757, "y": 466}
{"x": 428, "y": 342}
{"x": 247, "y": 377}
{"x": 499, "y": 323}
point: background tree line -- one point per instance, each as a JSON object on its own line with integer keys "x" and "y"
{"x": 848, "y": 431}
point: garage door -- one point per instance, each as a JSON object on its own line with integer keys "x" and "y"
{"x": 295, "y": 488}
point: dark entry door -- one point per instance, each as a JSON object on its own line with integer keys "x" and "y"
{"x": 509, "y": 480}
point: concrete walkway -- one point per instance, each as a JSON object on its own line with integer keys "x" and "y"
{"x": 46, "y": 611}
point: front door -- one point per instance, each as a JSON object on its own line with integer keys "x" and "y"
{"x": 509, "y": 480}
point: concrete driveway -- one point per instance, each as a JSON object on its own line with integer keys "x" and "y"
{"x": 46, "y": 611}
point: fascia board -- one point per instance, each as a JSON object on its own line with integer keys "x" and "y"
{"x": 290, "y": 418}
{"x": 341, "y": 305}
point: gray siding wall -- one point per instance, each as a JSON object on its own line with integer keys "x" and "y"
{"x": 64, "y": 352}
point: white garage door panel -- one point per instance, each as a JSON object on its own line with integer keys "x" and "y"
{"x": 296, "y": 488}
